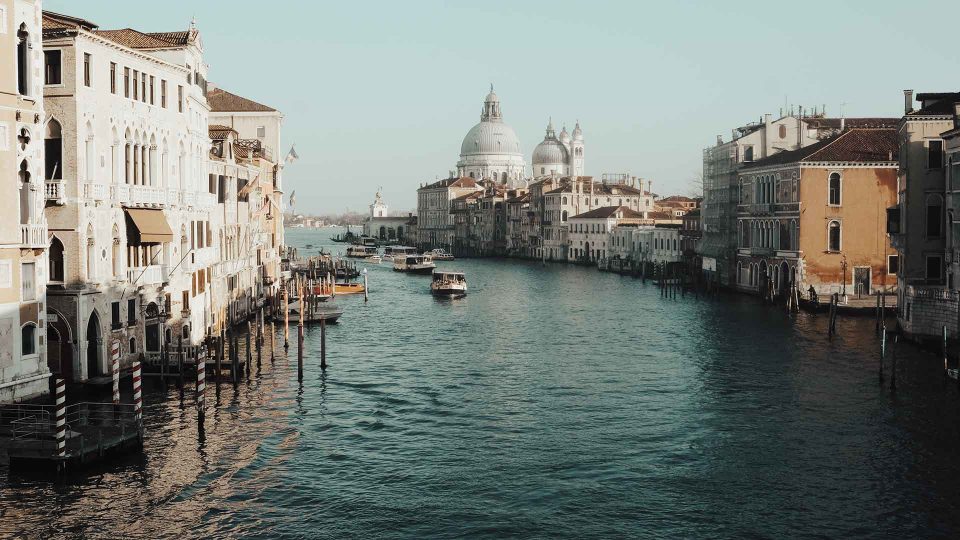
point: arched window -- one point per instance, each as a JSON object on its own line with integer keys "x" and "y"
{"x": 564, "y": 200}
{"x": 23, "y": 58}
{"x": 28, "y": 339}
{"x": 834, "y": 189}
{"x": 56, "y": 259}
{"x": 117, "y": 253}
{"x": 503, "y": 176}
{"x": 740, "y": 192}
{"x": 833, "y": 236}
{"x": 133, "y": 346}
{"x": 563, "y": 216}
{"x": 26, "y": 200}
{"x": 53, "y": 151}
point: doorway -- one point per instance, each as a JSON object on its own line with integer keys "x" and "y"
{"x": 94, "y": 346}
{"x": 59, "y": 347}
{"x": 861, "y": 280}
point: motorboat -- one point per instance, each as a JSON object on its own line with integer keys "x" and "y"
{"x": 439, "y": 254}
{"x": 450, "y": 284}
{"x": 391, "y": 253}
{"x": 376, "y": 259}
{"x": 414, "y": 264}
{"x": 348, "y": 288}
{"x": 315, "y": 311}
{"x": 361, "y": 252}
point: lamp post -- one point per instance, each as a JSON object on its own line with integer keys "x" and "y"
{"x": 843, "y": 270}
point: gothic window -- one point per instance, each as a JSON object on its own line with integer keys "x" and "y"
{"x": 25, "y": 198}
{"x": 53, "y": 151}
{"x": 56, "y": 260}
{"x": 834, "y": 189}
{"x": 833, "y": 236}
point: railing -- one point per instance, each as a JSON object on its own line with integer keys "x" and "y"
{"x": 931, "y": 293}
{"x": 148, "y": 275}
{"x": 87, "y": 424}
{"x": 54, "y": 191}
{"x": 33, "y": 235}
{"x": 97, "y": 192}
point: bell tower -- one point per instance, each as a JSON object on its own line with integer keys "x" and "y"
{"x": 576, "y": 151}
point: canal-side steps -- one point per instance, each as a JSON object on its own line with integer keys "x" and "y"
{"x": 93, "y": 431}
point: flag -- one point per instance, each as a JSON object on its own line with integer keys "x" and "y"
{"x": 291, "y": 155}
{"x": 293, "y": 197}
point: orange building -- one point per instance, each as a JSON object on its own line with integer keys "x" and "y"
{"x": 816, "y": 217}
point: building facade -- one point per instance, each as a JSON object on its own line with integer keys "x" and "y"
{"x": 24, "y": 267}
{"x": 491, "y": 149}
{"x": 812, "y": 218}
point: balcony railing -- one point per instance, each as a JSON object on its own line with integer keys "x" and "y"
{"x": 96, "y": 192}
{"x": 54, "y": 191}
{"x": 148, "y": 275}
{"x": 33, "y": 235}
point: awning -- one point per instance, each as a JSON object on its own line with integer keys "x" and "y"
{"x": 150, "y": 225}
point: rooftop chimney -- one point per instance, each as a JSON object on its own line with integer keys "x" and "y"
{"x": 907, "y": 101}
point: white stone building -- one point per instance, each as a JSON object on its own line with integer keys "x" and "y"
{"x": 491, "y": 149}
{"x": 589, "y": 233}
{"x": 24, "y": 363}
{"x": 435, "y": 226}
{"x": 126, "y": 149}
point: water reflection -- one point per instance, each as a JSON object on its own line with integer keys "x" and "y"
{"x": 553, "y": 401}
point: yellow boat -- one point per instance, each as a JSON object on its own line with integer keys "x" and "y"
{"x": 349, "y": 288}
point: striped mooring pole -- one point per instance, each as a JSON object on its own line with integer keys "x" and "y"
{"x": 201, "y": 386}
{"x": 61, "y": 419}
{"x": 115, "y": 370}
{"x": 137, "y": 396}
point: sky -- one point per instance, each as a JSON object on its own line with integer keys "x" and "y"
{"x": 381, "y": 93}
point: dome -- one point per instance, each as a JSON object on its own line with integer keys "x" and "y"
{"x": 490, "y": 138}
{"x": 564, "y": 136}
{"x": 577, "y": 132}
{"x": 549, "y": 152}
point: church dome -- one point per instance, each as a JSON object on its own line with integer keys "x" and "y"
{"x": 564, "y": 136}
{"x": 490, "y": 138}
{"x": 577, "y": 132}
{"x": 549, "y": 152}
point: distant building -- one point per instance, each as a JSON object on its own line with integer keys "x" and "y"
{"x": 380, "y": 225}
{"x": 491, "y": 149}
{"x": 434, "y": 219}
{"x": 589, "y": 232}
{"x": 561, "y": 156}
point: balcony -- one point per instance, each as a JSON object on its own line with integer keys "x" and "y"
{"x": 140, "y": 196}
{"x": 96, "y": 192}
{"x": 148, "y": 275}
{"x": 54, "y": 192}
{"x": 33, "y": 235}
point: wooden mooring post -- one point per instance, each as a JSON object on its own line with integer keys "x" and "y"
{"x": 61, "y": 402}
{"x": 883, "y": 350}
{"x": 878, "y": 317}
{"x": 201, "y": 388}
{"x": 179, "y": 373}
{"x": 300, "y": 338}
{"x": 137, "y": 394}
{"x": 286, "y": 318}
{"x": 893, "y": 367}
{"x": 273, "y": 341}
{"x": 323, "y": 344}
{"x": 246, "y": 368}
{"x": 115, "y": 372}
{"x": 944, "y": 349}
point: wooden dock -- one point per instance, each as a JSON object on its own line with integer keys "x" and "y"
{"x": 93, "y": 432}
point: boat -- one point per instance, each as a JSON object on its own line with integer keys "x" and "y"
{"x": 391, "y": 253}
{"x": 414, "y": 264}
{"x": 376, "y": 259}
{"x": 450, "y": 284}
{"x": 348, "y": 288}
{"x": 346, "y": 238}
{"x": 439, "y": 254}
{"x": 361, "y": 252}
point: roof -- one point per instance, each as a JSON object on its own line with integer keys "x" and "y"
{"x": 936, "y": 104}
{"x": 848, "y": 123}
{"x": 693, "y": 213}
{"x": 859, "y": 145}
{"x": 464, "y": 181}
{"x": 677, "y": 198}
{"x": 218, "y": 132}
{"x": 520, "y": 198}
{"x": 222, "y": 101}
{"x": 58, "y": 21}
{"x": 135, "y": 39}
{"x": 608, "y": 212}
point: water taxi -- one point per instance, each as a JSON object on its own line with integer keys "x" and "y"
{"x": 414, "y": 264}
{"x": 439, "y": 254}
{"x": 448, "y": 283}
{"x": 376, "y": 259}
{"x": 361, "y": 252}
{"x": 348, "y": 288}
{"x": 391, "y": 253}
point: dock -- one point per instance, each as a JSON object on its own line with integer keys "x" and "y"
{"x": 93, "y": 432}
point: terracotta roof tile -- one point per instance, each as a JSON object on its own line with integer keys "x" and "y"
{"x": 222, "y": 101}
{"x": 861, "y": 145}
{"x": 609, "y": 211}
{"x": 128, "y": 37}
{"x": 936, "y": 103}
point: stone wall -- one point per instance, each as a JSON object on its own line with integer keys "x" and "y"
{"x": 925, "y": 310}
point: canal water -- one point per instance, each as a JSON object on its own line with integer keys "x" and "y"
{"x": 553, "y": 401}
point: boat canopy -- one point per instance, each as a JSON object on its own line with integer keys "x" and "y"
{"x": 447, "y": 275}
